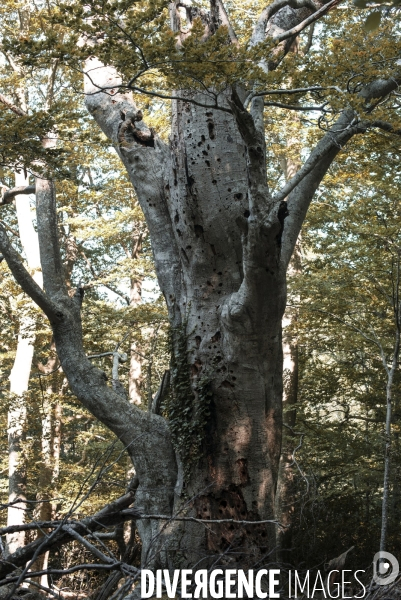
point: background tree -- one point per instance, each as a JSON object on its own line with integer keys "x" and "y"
{"x": 348, "y": 324}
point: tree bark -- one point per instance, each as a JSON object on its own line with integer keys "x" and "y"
{"x": 50, "y": 460}
{"x": 285, "y": 493}
{"x": 389, "y": 405}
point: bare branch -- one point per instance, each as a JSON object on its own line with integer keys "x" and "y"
{"x": 301, "y": 188}
{"x": 314, "y": 88}
{"x": 304, "y": 24}
{"x": 295, "y": 106}
{"x": 95, "y": 551}
{"x": 82, "y": 567}
{"x": 195, "y": 520}
{"x": 7, "y": 102}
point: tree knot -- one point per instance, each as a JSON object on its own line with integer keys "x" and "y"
{"x": 128, "y": 132}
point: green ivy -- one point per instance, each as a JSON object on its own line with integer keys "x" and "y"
{"x": 187, "y": 408}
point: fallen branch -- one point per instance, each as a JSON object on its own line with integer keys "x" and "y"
{"x": 109, "y": 516}
{"x": 129, "y": 513}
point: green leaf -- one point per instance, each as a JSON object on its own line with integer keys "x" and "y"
{"x": 373, "y": 21}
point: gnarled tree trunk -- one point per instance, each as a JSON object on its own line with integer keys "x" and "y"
{"x": 221, "y": 246}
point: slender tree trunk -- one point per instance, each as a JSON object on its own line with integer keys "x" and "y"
{"x": 285, "y": 493}
{"x": 388, "y": 441}
{"x": 19, "y": 378}
{"x": 20, "y": 373}
{"x": 135, "y": 366}
{"x": 389, "y": 399}
{"x": 386, "y": 477}
{"x": 50, "y": 460}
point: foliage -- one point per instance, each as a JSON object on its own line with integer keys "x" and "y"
{"x": 351, "y": 248}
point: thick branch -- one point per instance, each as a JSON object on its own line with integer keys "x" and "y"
{"x": 146, "y": 164}
{"x": 306, "y": 22}
{"x": 263, "y": 222}
{"x": 146, "y": 436}
{"x": 28, "y": 284}
{"x": 385, "y": 126}
{"x": 282, "y": 21}
{"x": 252, "y": 134}
{"x": 303, "y": 185}
{"x": 50, "y": 257}
{"x": 7, "y": 102}
{"x": 301, "y": 188}
{"x": 259, "y": 32}
{"x": 381, "y": 87}
{"x": 224, "y": 19}
{"x": 346, "y": 126}
{"x": 9, "y": 195}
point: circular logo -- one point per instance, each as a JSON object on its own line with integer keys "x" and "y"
{"x": 385, "y": 568}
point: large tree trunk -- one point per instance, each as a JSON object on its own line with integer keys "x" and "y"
{"x": 230, "y": 309}
{"x": 221, "y": 246}
{"x": 226, "y": 299}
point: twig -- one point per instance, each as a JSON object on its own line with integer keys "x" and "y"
{"x": 195, "y": 520}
